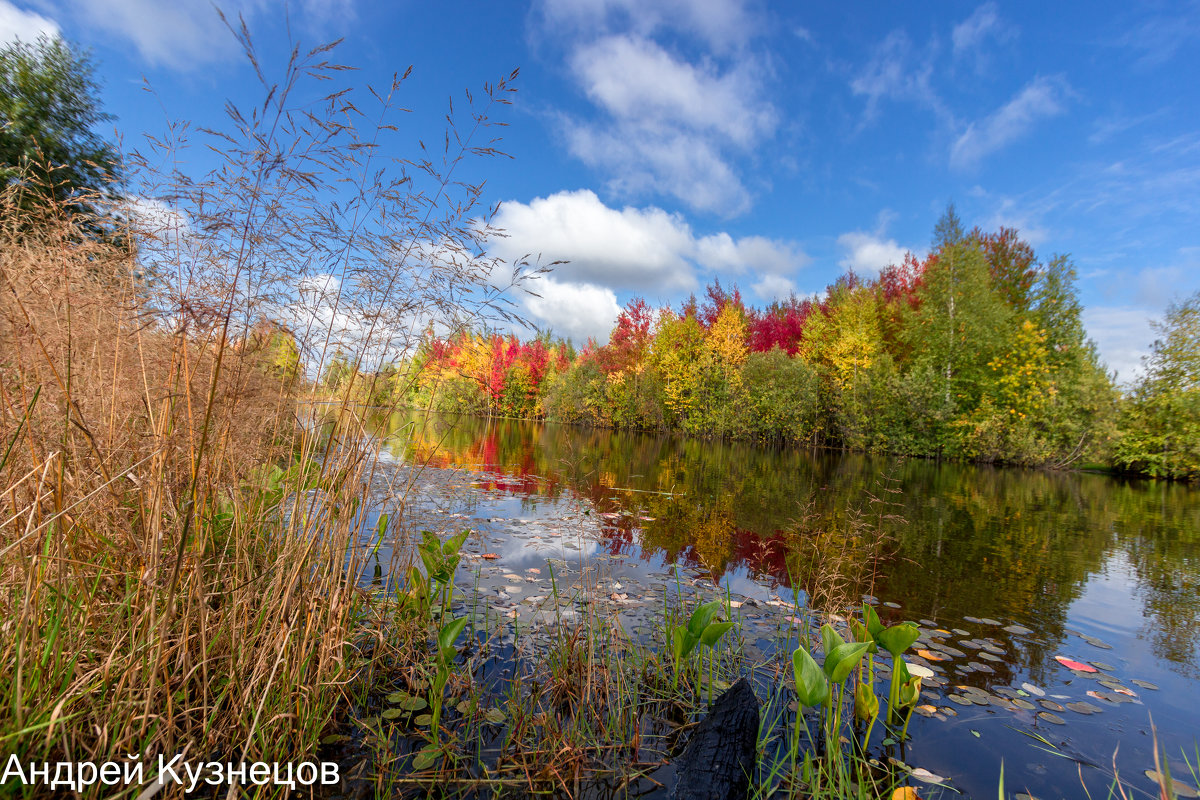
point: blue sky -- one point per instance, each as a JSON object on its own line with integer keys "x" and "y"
{"x": 658, "y": 144}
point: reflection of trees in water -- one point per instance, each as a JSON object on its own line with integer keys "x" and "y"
{"x": 981, "y": 541}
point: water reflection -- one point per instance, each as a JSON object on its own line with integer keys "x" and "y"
{"x": 968, "y": 540}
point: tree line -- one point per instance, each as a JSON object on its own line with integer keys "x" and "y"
{"x": 977, "y": 351}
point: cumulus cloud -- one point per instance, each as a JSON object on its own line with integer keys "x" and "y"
{"x": 28, "y": 26}
{"x": 773, "y": 287}
{"x": 665, "y": 120}
{"x": 576, "y": 310}
{"x": 631, "y": 248}
{"x": 1123, "y": 336}
{"x": 1039, "y": 99}
{"x": 635, "y": 79}
{"x": 868, "y": 253}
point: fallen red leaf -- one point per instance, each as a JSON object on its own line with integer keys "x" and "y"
{"x": 489, "y": 555}
{"x": 1078, "y": 666}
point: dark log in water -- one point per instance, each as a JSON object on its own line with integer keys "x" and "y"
{"x": 720, "y": 757}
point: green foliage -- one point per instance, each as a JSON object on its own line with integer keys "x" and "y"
{"x": 700, "y": 629}
{"x": 1160, "y": 425}
{"x": 49, "y": 109}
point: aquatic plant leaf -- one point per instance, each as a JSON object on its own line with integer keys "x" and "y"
{"x": 713, "y": 633}
{"x": 413, "y": 703}
{"x": 861, "y": 634}
{"x": 874, "y": 626}
{"x": 899, "y": 638}
{"x": 701, "y": 617}
{"x": 391, "y": 713}
{"x": 494, "y": 716}
{"x": 381, "y": 526}
{"x": 682, "y": 643}
{"x": 425, "y": 759}
{"x": 447, "y": 636}
{"x": 451, "y": 546}
{"x": 812, "y": 687}
{"x": 866, "y": 703}
{"x": 843, "y": 659}
{"x": 830, "y": 639}
{"x": 423, "y": 720}
{"x": 1078, "y": 666}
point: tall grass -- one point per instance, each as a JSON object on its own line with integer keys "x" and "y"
{"x": 177, "y": 551}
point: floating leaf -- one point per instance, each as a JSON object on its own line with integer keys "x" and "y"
{"x": 922, "y": 774}
{"x": 1172, "y": 786}
{"x": 412, "y": 703}
{"x": 494, "y": 716}
{"x": 463, "y": 707}
{"x": 335, "y": 738}
{"x": 489, "y": 556}
{"x": 1048, "y": 717}
{"x": 905, "y": 793}
{"x": 1144, "y": 684}
{"x": 425, "y": 759}
{"x": 919, "y": 671}
{"x": 424, "y": 719}
{"x": 1078, "y": 666}
{"x": 391, "y": 713}
{"x": 1036, "y": 691}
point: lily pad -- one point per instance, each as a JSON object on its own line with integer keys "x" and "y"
{"x": 1171, "y": 785}
{"x": 494, "y": 716}
{"x": 392, "y": 713}
{"x": 335, "y": 738}
{"x": 424, "y": 719}
{"x": 1054, "y": 718}
{"x": 959, "y": 699}
{"x": 425, "y": 759}
{"x": 925, "y": 776}
{"x": 1017, "y": 630}
{"x": 1084, "y": 707}
{"x": 1144, "y": 684}
{"x": 1036, "y": 691}
{"x": 1050, "y": 705}
{"x": 1020, "y": 702}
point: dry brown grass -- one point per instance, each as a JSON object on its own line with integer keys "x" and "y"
{"x": 178, "y": 555}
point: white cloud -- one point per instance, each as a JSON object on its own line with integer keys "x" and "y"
{"x": 185, "y": 34}
{"x": 970, "y": 34}
{"x": 634, "y": 79}
{"x": 631, "y": 248}
{"x": 868, "y": 253}
{"x": 669, "y": 125}
{"x": 1040, "y": 98}
{"x": 28, "y": 26}
{"x": 898, "y": 72}
{"x": 1123, "y": 335}
{"x": 577, "y": 310}
{"x": 720, "y": 24}
{"x": 773, "y": 287}
{"x": 666, "y": 119}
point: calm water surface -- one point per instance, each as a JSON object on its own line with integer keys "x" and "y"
{"x": 1098, "y": 569}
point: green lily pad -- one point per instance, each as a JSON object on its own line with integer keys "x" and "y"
{"x": 396, "y": 697}
{"x": 494, "y": 716}
{"x": 413, "y": 703}
{"x": 425, "y": 759}
{"x": 1020, "y": 702}
{"x": 1017, "y": 630}
{"x": 424, "y": 719}
{"x": 392, "y": 713}
{"x": 959, "y": 699}
{"x": 335, "y": 738}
